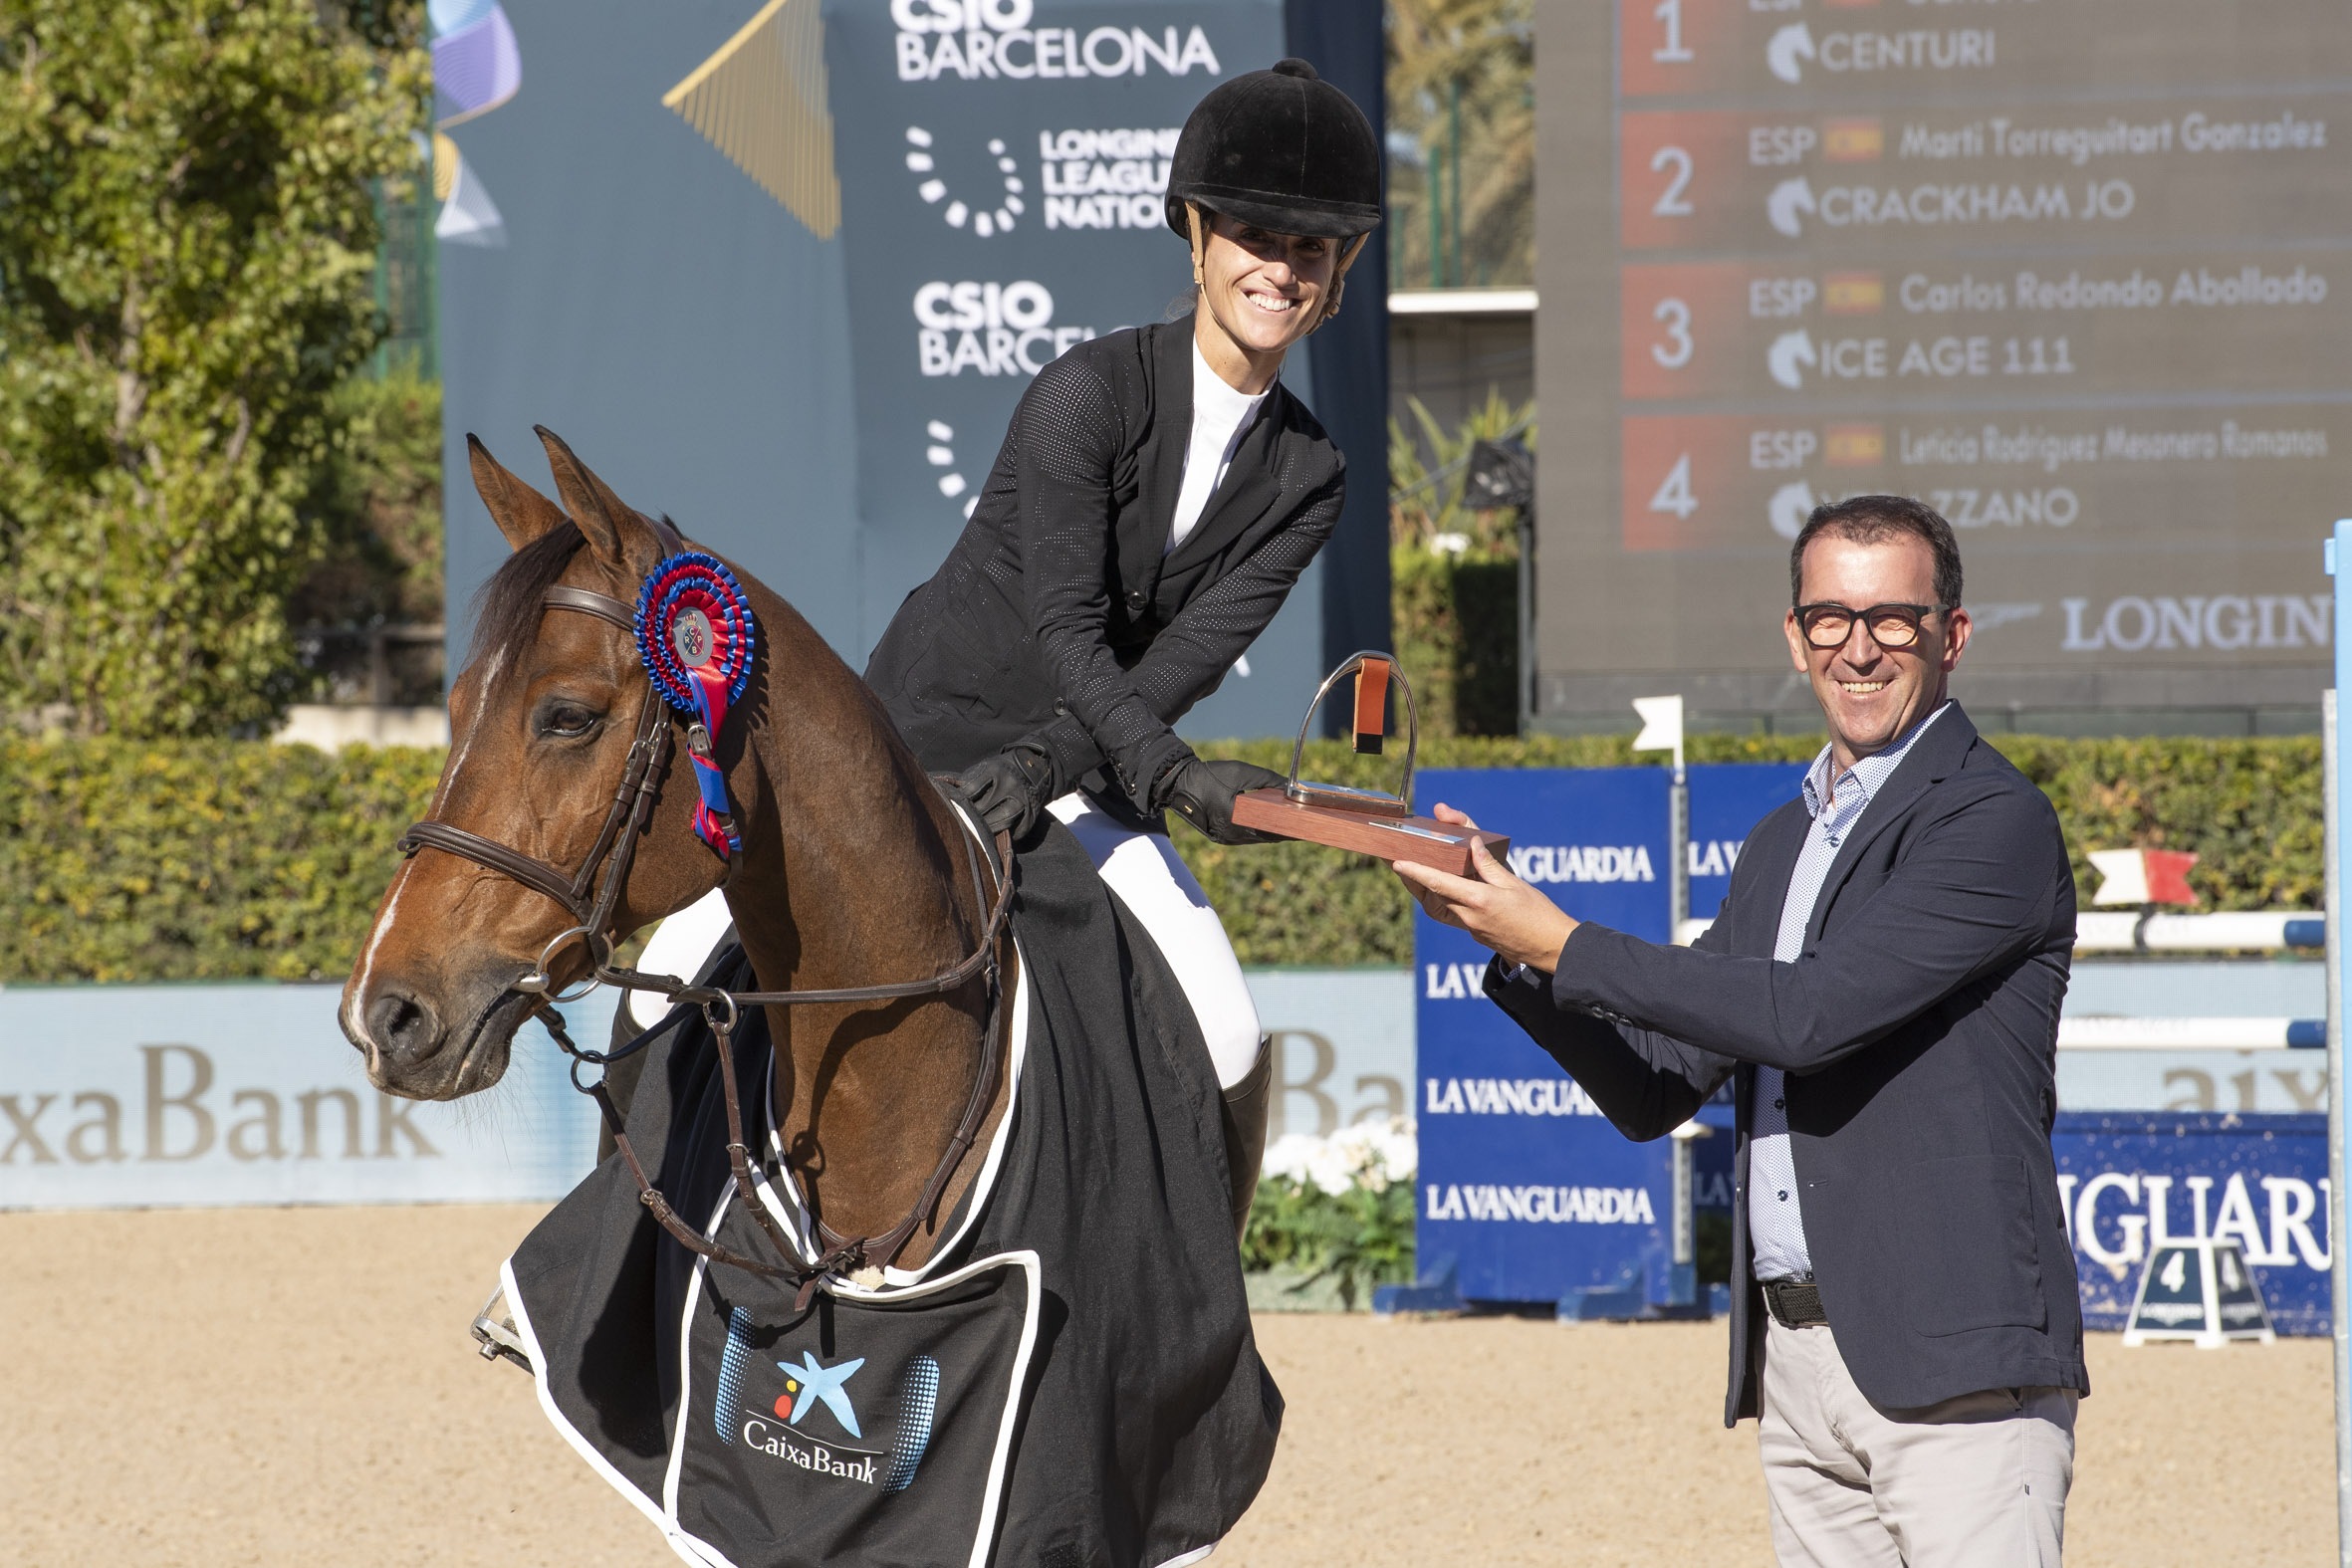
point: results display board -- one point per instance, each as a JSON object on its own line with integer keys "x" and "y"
{"x": 2073, "y": 276}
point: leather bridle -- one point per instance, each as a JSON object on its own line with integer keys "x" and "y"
{"x": 616, "y": 848}
{"x": 625, "y": 822}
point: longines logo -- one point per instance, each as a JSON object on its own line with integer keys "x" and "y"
{"x": 1103, "y": 179}
{"x": 2226, "y": 621}
{"x": 992, "y": 39}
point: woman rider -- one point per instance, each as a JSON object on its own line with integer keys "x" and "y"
{"x": 1157, "y": 495}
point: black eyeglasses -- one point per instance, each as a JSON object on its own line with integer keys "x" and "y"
{"x": 1828, "y": 626}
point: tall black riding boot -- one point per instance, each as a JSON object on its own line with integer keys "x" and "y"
{"x": 1246, "y": 1107}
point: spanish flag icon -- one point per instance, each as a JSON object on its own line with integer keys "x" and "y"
{"x": 1858, "y": 141}
{"x": 1853, "y": 294}
{"x": 1854, "y": 446}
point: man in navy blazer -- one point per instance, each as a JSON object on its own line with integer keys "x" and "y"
{"x": 1881, "y": 989}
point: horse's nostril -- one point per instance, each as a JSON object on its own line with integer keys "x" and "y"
{"x": 403, "y": 1027}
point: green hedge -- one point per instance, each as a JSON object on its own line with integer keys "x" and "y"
{"x": 126, "y": 860}
{"x": 1457, "y": 622}
{"x": 196, "y": 859}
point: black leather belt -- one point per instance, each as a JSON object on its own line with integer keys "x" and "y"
{"x": 1794, "y": 1303}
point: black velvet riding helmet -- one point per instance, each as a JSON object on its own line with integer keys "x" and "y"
{"x": 1282, "y": 149}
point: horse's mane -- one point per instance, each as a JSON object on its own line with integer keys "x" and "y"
{"x": 507, "y": 608}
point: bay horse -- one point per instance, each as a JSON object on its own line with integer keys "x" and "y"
{"x": 852, "y": 868}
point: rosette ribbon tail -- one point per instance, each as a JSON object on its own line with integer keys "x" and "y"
{"x": 697, "y": 635}
{"x": 714, "y": 814}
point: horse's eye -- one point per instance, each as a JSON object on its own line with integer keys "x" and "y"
{"x": 568, "y": 720}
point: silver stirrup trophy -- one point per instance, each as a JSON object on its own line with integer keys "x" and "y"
{"x": 1368, "y": 822}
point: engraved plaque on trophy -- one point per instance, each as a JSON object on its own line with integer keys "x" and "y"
{"x": 1366, "y": 822}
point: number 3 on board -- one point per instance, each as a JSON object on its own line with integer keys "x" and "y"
{"x": 1672, "y": 53}
{"x": 1675, "y": 352}
{"x": 1675, "y": 495}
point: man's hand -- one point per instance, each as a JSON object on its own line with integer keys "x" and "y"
{"x": 1493, "y": 906}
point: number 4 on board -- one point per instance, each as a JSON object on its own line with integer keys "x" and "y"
{"x": 1675, "y": 495}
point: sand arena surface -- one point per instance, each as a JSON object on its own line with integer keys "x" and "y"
{"x": 291, "y": 1387}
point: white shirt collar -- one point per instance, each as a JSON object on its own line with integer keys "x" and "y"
{"x": 1868, "y": 774}
{"x": 1220, "y": 416}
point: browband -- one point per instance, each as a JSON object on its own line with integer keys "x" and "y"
{"x": 590, "y": 603}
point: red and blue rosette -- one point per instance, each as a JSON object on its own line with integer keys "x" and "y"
{"x": 697, "y": 635}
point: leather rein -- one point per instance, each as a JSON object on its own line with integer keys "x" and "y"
{"x": 615, "y": 846}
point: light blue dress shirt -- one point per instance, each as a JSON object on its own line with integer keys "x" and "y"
{"x": 1776, "y": 1214}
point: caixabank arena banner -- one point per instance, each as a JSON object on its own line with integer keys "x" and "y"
{"x": 783, "y": 269}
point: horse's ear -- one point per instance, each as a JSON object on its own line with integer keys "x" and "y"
{"x": 602, "y": 514}
{"x": 522, "y": 514}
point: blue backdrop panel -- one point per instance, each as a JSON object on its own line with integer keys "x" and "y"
{"x": 1727, "y": 799}
{"x": 1524, "y": 1187}
{"x": 654, "y": 307}
{"x": 1517, "y": 1166}
{"x": 2128, "y": 1181}
{"x": 1347, "y": 42}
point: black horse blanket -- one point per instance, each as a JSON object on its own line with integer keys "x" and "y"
{"x": 1072, "y": 1382}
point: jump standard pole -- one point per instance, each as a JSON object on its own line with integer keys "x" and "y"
{"x": 2334, "y": 779}
{"x": 1661, "y": 731}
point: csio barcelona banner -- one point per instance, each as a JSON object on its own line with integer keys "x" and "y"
{"x": 1002, "y": 165}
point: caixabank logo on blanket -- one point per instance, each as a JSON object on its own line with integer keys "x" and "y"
{"x": 811, "y": 1419}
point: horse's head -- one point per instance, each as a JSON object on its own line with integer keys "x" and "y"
{"x": 541, "y": 726}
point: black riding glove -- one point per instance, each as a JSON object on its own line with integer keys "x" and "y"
{"x": 1008, "y": 790}
{"x": 1201, "y": 791}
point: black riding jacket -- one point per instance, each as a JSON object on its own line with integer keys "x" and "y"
{"x": 1057, "y": 617}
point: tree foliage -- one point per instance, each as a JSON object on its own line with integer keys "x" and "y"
{"x": 378, "y": 504}
{"x": 186, "y": 235}
{"x": 1454, "y": 573}
{"x": 1428, "y": 477}
{"x": 1470, "y": 63}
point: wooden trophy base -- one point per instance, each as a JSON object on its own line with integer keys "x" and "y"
{"x": 1421, "y": 839}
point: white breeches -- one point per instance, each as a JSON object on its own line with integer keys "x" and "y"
{"x": 1159, "y": 890}
{"x": 1142, "y": 868}
{"x": 680, "y": 945}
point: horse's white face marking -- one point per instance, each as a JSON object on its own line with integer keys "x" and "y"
{"x": 355, "y": 1010}
{"x": 466, "y": 746}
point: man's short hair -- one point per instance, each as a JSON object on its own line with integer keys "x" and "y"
{"x": 1871, "y": 520}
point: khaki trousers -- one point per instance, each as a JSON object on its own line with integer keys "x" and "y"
{"x": 1977, "y": 1480}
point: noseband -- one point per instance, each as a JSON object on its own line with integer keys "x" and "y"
{"x": 615, "y": 847}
